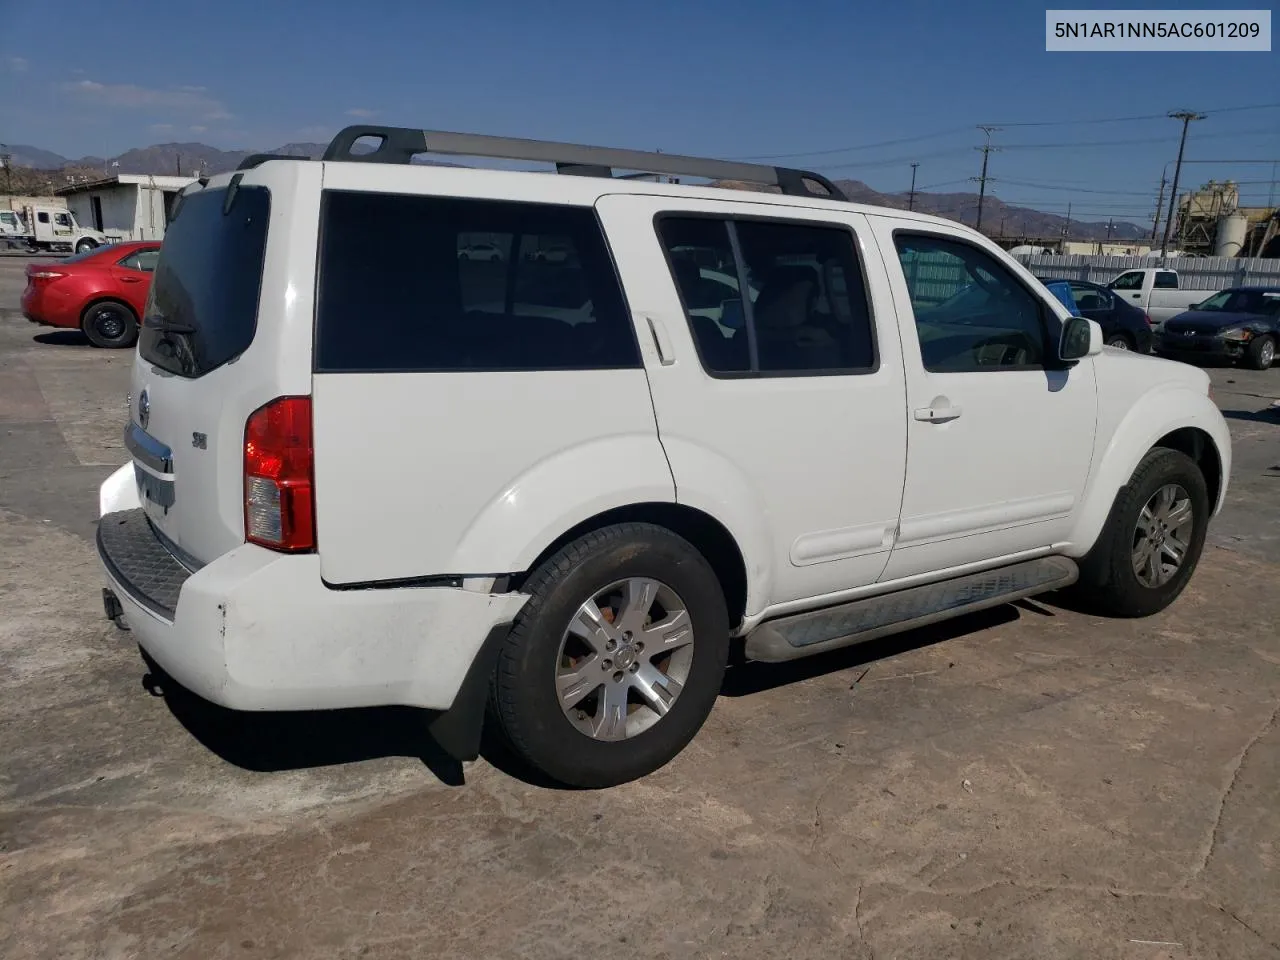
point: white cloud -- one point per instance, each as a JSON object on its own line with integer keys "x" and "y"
{"x": 194, "y": 102}
{"x": 160, "y": 127}
{"x": 198, "y": 129}
{"x": 361, "y": 113}
{"x": 16, "y": 64}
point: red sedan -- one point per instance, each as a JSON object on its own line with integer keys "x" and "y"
{"x": 102, "y": 292}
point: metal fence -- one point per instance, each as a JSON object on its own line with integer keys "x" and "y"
{"x": 1194, "y": 273}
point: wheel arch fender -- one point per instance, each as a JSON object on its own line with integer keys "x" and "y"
{"x": 99, "y": 297}
{"x": 559, "y": 493}
{"x": 1179, "y": 418}
{"x": 710, "y": 483}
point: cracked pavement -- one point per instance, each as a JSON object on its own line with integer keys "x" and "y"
{"x": 1024, "y": 782}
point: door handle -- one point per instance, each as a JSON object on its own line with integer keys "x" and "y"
{"x": 661, "y": 343}
{"x": 938, "y": 413}
{"x": 130, "y": 279}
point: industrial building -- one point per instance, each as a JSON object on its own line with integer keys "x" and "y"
{"x": 130, "y": 206}
{"x": 1211, "y": 222}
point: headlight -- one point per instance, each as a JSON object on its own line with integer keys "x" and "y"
{"x": 1239, "y": 334}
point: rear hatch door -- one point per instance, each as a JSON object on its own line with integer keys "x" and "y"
{"x": 226, "y": 329}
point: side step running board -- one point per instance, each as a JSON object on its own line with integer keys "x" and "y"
{"x": 816, "y": 631}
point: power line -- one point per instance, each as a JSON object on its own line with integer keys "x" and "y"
{"x": 861, "y": 146}
{"x": 1149, "y": 116}
{"x": 1053, "y": 186}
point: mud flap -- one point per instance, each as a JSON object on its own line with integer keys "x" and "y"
{"x": 458, "y": 729}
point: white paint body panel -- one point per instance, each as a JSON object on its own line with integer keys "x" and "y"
{"x": 421, "y": 474}
{"x": 1006, "y": 474}
{"x": 819, "y": 458}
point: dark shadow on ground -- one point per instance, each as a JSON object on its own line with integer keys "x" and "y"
{"x": 1266, "y": 415}
{"x": 62, "y": 338}
{"x": 274, "y": 742}
{"x": 751, "y": 677}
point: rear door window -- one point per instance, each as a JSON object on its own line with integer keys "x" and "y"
{"x": 203, "y": 306}
{"x": 436, "y": 284}
{"x": 1166, "y": 280}
{"x": 806, "y": 310}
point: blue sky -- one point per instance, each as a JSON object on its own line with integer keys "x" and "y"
{"x": 741, "y": 79}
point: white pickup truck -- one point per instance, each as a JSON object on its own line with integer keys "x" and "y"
{"x": 1157, "y": 291}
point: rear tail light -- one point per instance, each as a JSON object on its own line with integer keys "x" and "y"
{"x": 45, "y": 275}
{"x": 1147, "y": 317}
{"x": 279, "y": 504}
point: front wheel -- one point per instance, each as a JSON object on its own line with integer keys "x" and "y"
{"x": 1152, "y": 540}
{"x": 84, "y": 246}
{"x": 617, "y": 658}
{"x": 1261, "y": 353}
{"x": 109, "y": 323}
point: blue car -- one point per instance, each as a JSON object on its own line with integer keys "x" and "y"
{"x": 1237, "y": 325}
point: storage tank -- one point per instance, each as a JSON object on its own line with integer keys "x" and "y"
{"x": 1232, "y": 229}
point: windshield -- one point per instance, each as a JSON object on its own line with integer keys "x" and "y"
{"x": 203, "y": 307}
{"x": 1266, "y": 302}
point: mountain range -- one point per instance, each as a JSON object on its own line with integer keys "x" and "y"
{"x": 998, "y": 217}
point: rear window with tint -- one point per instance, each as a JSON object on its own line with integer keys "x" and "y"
{"x": 203, "y": 307}
{"x": 430, "y": 284}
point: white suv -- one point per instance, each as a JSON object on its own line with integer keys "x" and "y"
{"x": 553, "y": 491}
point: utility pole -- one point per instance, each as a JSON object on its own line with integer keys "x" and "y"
{"x": 1155, "y": 224}
{"x": 911, "y": 197}
{"x": 1110, "y": 224}
{"x": 1066, "y": 229}
{"x": 1186, "y": 116}
{"x": 982, "y": 178}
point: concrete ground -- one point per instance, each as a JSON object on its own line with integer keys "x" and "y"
{"x": 1029, "y": 782}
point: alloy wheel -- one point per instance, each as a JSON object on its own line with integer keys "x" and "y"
{"x": 624, "y": 659}
{"x": 1162, "y": 536}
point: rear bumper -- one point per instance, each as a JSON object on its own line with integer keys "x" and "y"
{"x": 258, "y": 630}
{"x": 48, "y": 310}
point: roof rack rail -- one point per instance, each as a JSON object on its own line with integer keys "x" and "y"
{"x": 256, "y": 159}
{"x": 401, "y": 144}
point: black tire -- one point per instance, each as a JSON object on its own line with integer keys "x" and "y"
{"x": 109, "y": 324}
{"x": 1108, "y": 583}
{"x": 523, "y": 695}
{"x": 1119, "y": 340}
{"x": 1261, "y": 353}
{"x": 84, "y": 246}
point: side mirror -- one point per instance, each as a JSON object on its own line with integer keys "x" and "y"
{"x": 1194, "y": 306}
{"x": 1080, "y": 338}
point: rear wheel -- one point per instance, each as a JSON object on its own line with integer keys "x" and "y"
{"x": 1152, "y": 540}
{"x": 1119, "y": 341}
{"x": 1261, "y": 353}
{"x": 617, "y": 658}
{"x": 109, "y": 323}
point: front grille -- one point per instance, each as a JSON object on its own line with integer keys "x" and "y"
{"x": 140, "y": 562}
